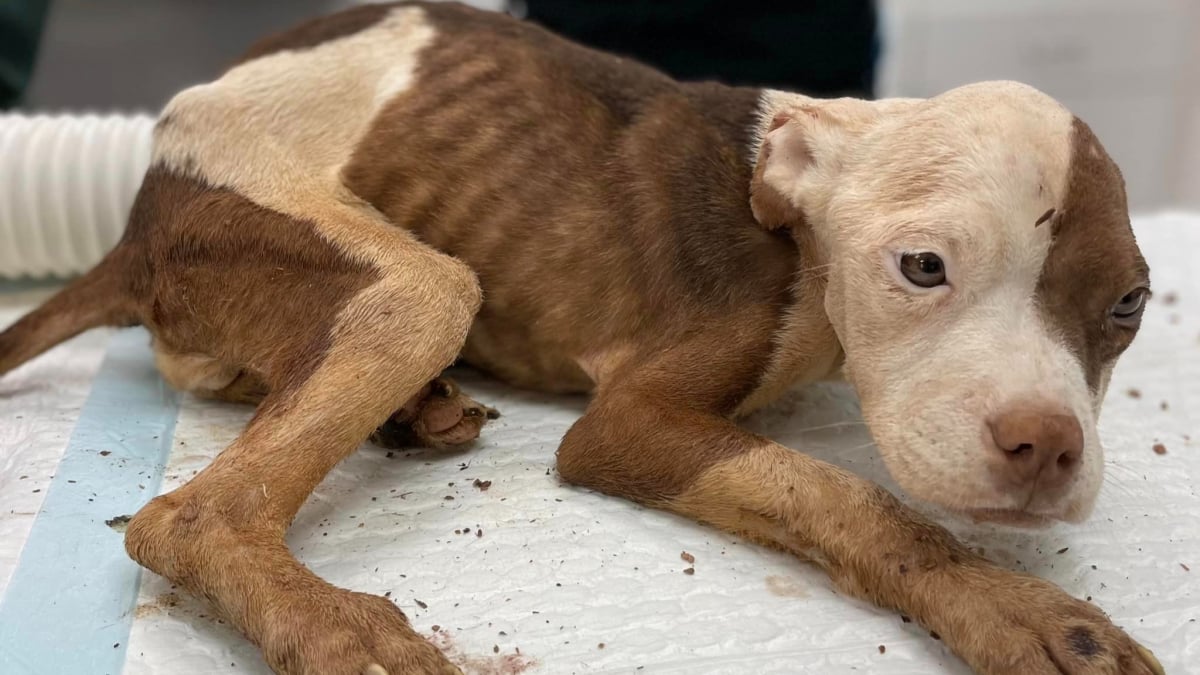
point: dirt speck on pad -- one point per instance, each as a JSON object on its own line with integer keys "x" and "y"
{"x": 420, "y": 604}
{"x": 1170, "y": 298}
{"x": 1159, "y": 449}
{"x": 785, "y": 587}
{"x": 483, "y": 485}
{"x": 1134, "y": 392}
{"x": 687, "y": 557}
{"x": 105, "y": 453}
{"x": 489, "y": 664}
{"x": 1185, "y": 567}
{"x": 159, "y": 604}
{"x": 1063, "y": 550}
{"x": 882, "y": 649}
{"x": 690, "y": 571}
{"x": 118, "y": 523}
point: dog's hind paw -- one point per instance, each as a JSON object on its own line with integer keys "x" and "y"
{"x": 439, "y": 416}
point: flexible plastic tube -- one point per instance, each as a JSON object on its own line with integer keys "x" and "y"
{"x": 67, "y": 183}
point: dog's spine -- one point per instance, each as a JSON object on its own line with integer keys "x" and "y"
{"x": 100, "y": 297}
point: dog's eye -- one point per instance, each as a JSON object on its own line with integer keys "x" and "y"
{"x": 1130, "y": 307}
{"x": 923, "y": 269}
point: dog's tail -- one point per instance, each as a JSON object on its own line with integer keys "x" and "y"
{"x": 102, "y": 297}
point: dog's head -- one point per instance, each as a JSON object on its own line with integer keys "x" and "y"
{"x": 984, "y": 279}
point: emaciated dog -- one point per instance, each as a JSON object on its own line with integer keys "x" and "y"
{"x": 371, "y": 196}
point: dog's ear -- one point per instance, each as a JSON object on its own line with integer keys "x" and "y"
{"x": 782, "y": 158}
{"x": 800, "y": 155}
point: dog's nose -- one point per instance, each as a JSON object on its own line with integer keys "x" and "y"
{"x": 1037, "y": 446}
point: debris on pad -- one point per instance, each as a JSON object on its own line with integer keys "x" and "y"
{"x": 1159, "y": 449}
{"x": 1134, "y": 392}
{"x": 882, "y": 649}
{"x": 483, "y": 485}
{"x": 687, "y": 557}
{"x": 690, "y": 571}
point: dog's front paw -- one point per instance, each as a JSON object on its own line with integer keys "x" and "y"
{"x": 349, "y": 633}
{"x": 1018, "y": 624}
{"x": 439, "y": 416}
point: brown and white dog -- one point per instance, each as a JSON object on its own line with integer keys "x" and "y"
{"x": 369, "y": 197}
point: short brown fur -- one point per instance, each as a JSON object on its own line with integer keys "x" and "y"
{"x": 1093, "y": 261}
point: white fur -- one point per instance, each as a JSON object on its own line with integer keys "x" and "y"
{"x": 964, "y": 175}
{"x": 278, "y": 129}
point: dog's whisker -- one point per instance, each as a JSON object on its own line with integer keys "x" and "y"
{"x": 833, "y": 425}
{"x": 1120, "y": 483}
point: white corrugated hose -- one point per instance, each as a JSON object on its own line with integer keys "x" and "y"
{"x": 67, "y": 183}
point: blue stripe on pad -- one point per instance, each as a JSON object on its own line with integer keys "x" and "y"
{"x": 69, "y": 606}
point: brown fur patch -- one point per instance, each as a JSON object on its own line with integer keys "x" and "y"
{"x": 629, "y": 441}
{"x": 208, "y": 258}
{"x": 641, "y": 219}
{"x": 1093, "y": 261}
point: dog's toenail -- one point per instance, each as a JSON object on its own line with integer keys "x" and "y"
{"x": 1151, "y": 660}
{"x": 375, "y": 669}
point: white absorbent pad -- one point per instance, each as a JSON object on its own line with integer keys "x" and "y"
{"x": 533, "y": 576}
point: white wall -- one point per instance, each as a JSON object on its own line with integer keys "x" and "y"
{"x": 1126, "y": 67}
{"x": 1187, "y": 179}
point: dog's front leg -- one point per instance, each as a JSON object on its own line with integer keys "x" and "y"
{"x": 634, "y": 443}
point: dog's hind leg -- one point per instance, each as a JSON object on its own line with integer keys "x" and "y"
{"x": 336, "y": 364}
{"x": 439, "y": 416}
